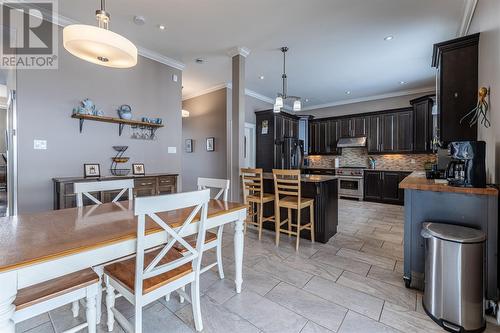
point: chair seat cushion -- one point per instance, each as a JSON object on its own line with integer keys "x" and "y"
{"x": 191, "y": 240}
{"x": 267, "y": 197}
{"x": 292, "y": 202}
{"x": 124, "y": 271}
{"x": 44, "y": 291}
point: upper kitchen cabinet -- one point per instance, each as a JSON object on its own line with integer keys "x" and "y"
{"x": 352, "y": 127}
{"x": 389, "y": 133}
{"x": 457, "y": 84}
{"x": 323, "y": 136}
{"x": 423, "y": 128}
{"x": 374, "y": 140}
{"x": 404, "y": 143}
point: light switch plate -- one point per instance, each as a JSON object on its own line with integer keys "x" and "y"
{"x": 40, "y": 144}
{"x": 172, "y": 150}
{"x": 174, "y": 77}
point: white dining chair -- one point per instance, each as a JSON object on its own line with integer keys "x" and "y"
{"x": 85, "y": 189}
{"x": 156, "y": 272}
{"x": 212, "y": 240}
{"x": 49, "y": 295}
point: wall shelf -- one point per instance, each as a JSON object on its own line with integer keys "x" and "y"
{"x": 121, "y": 122}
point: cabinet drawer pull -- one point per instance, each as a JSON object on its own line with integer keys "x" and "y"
{"x": 145, "y": 184}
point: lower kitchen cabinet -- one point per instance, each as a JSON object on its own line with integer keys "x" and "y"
{"x": 383, "y": 186}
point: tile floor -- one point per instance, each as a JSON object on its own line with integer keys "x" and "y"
{"x": 351, "y": 284}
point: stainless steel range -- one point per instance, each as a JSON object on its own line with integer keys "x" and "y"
{"x": 350, "y": 182}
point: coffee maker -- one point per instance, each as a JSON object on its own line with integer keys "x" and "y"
{"x": 467, "y": 167}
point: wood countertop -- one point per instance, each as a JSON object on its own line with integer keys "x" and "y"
{"x": 417, "y": 181}
{"x": 305, "y": 178}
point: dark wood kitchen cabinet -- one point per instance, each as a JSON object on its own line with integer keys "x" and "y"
{"x": 323, "y": 137}
{"x": 423, "y": 129}
{"x": 389, "y": 133}
{"x": 374, "y": 139}
{"x": 383, "y": 186}
{"x": 352, "y": 127}
{"x": 372, "y": 185}
{"x": 404, "y": 130}
{"x": 457, "y": 85}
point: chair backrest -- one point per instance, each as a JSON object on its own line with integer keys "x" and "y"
{"x": 197, "y": 201}
{"x": 252, "y": 183}
{"x": 82, "y": 189}
{"x": 286, "y": 182}
{"x": 219, "y": 184}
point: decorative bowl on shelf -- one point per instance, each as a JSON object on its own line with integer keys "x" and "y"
{"x": 120, "y": 159}
{"x": 120, "y": 148}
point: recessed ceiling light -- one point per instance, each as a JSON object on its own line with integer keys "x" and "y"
{"x": 388, "y": 38}
{"x": 139, "y": 20}
{"x": 261, "y": 77}
{"x": 348, "y": 92}
{"x": 199, "y": 61}
{"x": 161, "y": 27}
{"x": 403, "y": 82}
{"x": 307, "y": 100}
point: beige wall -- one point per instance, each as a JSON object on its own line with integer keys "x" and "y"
{"x": 362, "y": 107}
{"x": 487, "y": 21}
{"x": 45, "y": 99}
{"x": 207, "y": 118}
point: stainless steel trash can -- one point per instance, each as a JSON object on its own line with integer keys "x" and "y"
{"x": 454, "y": 276}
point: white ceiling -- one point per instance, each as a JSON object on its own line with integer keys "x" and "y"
{"x": 335, "y": 45}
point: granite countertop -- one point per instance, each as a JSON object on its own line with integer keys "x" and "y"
{"x": 110, "y": 177}
{"x": 418, "y": 181}
{"x": 306, "y": 178}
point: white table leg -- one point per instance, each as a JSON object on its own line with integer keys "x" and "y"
{"x": 8, "y": 291}
{"x": 238, "y": 253}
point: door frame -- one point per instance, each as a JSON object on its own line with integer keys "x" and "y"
{"x": 252, "y": 128}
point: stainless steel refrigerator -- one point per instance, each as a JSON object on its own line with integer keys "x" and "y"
{"x": 289, "y": 153}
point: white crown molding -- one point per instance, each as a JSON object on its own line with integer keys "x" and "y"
{"x": 206, "y": 91}
{"x": 258, "y": 96}
{"x": 248, "y": 92}
{"x": 63, "y": 21}
{"x": 371, "y": 98}
{"x": 469, "y": 9}
{"x": 240, "y": 50}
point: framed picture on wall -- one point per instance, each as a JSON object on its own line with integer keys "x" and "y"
{"x": 211, "y": 144}
{"x": 138, "y": 169}
{"x": 188, "y": 145}
{"x": 91, "y": 170}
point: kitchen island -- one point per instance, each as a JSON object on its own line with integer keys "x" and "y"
{"x": 428, "y": 200}
{"x": 324, "y": 191}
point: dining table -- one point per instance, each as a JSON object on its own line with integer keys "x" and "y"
{"x": 37, "y": 247}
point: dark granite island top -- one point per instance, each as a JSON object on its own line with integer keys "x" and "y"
{"x": 306, "y": 178}
{"x": 324, "y": 190}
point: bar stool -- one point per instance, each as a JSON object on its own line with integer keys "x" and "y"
{"x": 253, "y": 195}
{"x": 287, "y": 183}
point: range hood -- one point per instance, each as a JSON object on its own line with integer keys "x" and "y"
{"x": 352, "y": 142}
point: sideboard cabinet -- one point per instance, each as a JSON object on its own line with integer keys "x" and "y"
{"x": 148, "y": 185}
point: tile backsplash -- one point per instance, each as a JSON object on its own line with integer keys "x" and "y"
{"x": 359, "y": 157}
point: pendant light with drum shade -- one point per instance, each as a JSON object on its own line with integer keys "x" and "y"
{"x": 282, "y": 97}
{"x": 99, "y": 45}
